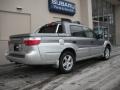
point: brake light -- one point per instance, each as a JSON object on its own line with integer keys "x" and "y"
{"x": 31, "y": 42}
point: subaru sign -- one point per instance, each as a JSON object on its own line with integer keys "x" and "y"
{"x": 62, "y": 6}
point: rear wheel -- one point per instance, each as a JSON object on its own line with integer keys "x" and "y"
{"x": 66, "y": 62}
{"x": 16, "y": 63}
{"x": 107, "y": 53}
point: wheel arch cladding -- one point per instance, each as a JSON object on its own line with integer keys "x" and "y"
{"x": 70, "y": 50}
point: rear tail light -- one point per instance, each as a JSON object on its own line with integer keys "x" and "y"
{"x": 31, "y": 42}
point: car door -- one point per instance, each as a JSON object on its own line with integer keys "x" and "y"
{"x": 96, "y": 45}
{"x": 80, "y": 40}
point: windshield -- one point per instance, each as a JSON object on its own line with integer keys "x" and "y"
{"x": 48, "y": 29}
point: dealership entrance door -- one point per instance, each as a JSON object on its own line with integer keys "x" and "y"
{"x": 103, "y": 19}
{"x": 11, "y": 23}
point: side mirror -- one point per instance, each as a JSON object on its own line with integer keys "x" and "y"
{"x": 98, "y": 36}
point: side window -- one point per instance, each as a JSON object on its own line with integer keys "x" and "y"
{"x": 77, "y": 31}
{"x": 88, "y": 32}
{"x": 48, "y": 29}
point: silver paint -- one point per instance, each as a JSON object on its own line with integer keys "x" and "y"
{"x": 52, "y": 46}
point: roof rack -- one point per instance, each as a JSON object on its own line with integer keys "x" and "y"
{"x": 64, "y": 19}
{"x": 77, "y": 22}
{"x": 67, "y": 20}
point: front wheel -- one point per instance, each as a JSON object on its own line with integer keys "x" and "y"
{"x": 66, "y": 62}
{"x": 107, "y": 53}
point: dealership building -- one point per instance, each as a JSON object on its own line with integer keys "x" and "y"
{"x": 24, "y": 16}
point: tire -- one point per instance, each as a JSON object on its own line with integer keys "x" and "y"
{"x": 16, "y": 63}
{"x": 107, "y": 53}
{"x": 66, "y": 62}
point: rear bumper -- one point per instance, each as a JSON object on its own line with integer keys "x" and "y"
{"x": 34, "y": 58}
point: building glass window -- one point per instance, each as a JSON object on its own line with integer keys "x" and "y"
{"x": 103, "y": 19}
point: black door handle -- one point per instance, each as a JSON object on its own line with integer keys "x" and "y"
{"x": 92, "y": 42}
{"x": 74, "y": 42}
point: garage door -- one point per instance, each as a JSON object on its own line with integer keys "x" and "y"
{"x": 13, "y": 23}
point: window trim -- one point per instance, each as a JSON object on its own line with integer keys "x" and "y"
{"x": 57, "y": 28}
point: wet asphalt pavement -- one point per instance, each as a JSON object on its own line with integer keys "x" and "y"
{"x": 91, "y": 73}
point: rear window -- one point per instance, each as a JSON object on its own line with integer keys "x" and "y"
{"x": 48, "y": 29}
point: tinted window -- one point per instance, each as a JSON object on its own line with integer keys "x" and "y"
{"x": 88, "y": 32}
{"x": 77, "y": 31}
{"x": 48, "y": 29}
